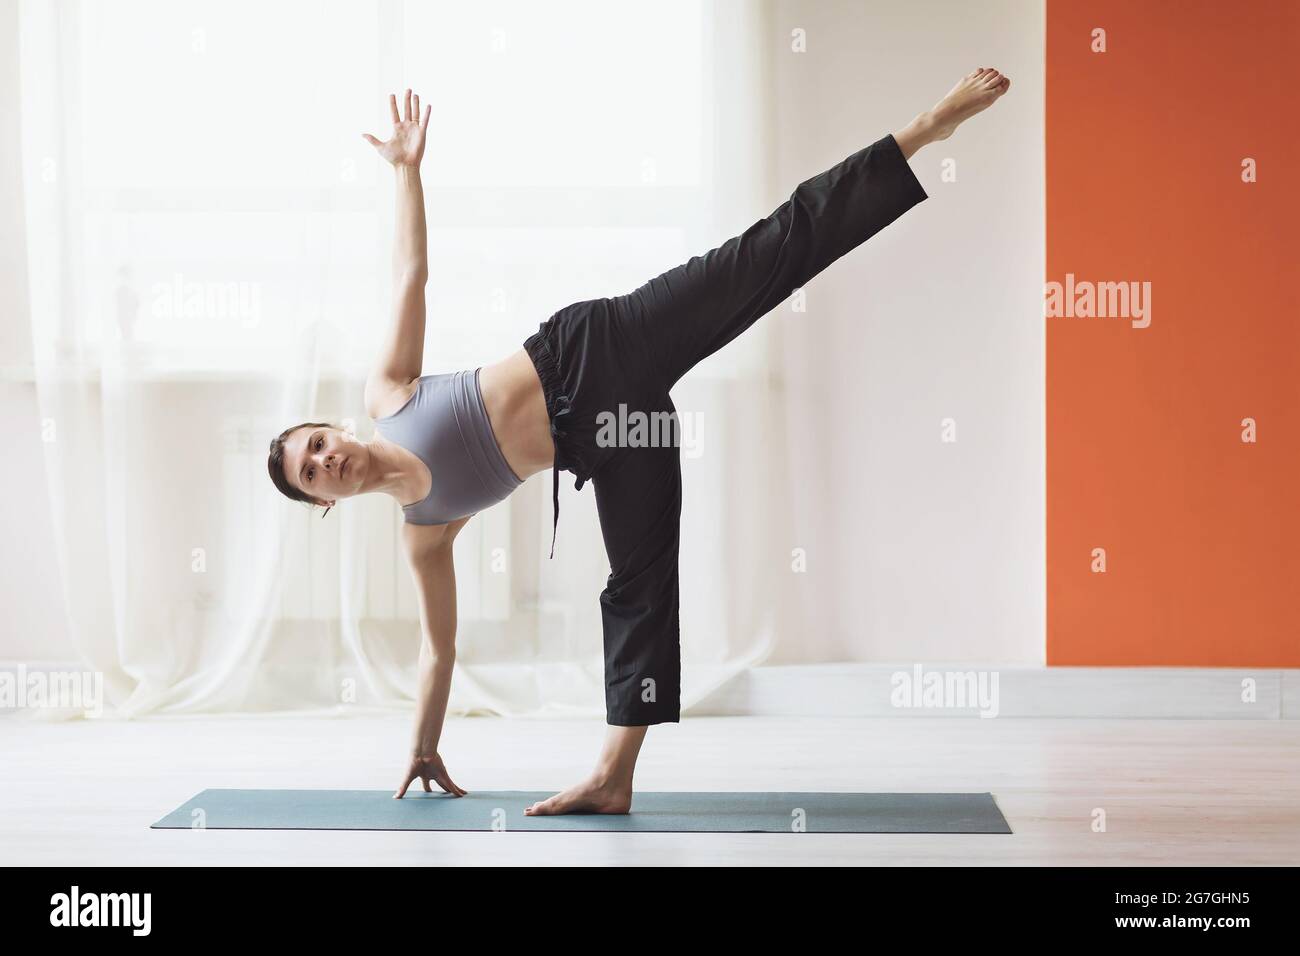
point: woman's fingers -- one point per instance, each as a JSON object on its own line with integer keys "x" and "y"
{"x": 401, "y": 791}
{"x": 371, "y": 140}
{"x": 440, "y": 777}
{"x": 448, "y": 785}
{"x": 410, "y": 112}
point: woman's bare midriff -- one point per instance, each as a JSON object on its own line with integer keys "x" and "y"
{"x": 516, "y": 408}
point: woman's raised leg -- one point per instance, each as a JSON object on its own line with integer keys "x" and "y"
{"x": 689, "y": 312}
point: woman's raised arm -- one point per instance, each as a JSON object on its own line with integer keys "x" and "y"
{"x": 401, "y": 358}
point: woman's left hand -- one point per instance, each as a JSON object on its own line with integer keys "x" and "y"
{"x": 406, "y": 148}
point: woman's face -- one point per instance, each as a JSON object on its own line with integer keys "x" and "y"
{"x": 326, "y": 463}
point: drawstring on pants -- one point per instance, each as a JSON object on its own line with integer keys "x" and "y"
{"x": 563, "y": 406}
{"x": 559, "y": 406}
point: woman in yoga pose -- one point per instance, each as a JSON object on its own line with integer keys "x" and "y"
{"x": 449, "y": 445}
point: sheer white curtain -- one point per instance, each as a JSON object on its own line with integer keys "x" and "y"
{"x": 208, "y": 243}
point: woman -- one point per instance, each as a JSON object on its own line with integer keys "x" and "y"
{"x": 448, "y": 445}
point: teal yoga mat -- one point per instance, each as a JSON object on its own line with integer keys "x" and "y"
{"x": 652, "y": 812}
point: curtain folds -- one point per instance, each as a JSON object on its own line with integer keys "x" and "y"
{"x": 208, "y": 243}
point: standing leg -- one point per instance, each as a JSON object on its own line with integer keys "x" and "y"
{"x": 639, "y": 500}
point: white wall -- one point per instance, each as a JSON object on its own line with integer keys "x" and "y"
{"x": 918, "y": 549}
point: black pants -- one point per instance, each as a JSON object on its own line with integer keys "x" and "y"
{"x": 593, "y": 357}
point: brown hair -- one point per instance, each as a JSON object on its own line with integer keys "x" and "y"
{"x": 275, "y": 464}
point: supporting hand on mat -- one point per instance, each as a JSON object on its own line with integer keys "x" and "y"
{"x": 406, "y": 148}
{"x": 424, "y": 768}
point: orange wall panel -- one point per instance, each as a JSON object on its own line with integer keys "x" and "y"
{"x": 1145, "y": 458}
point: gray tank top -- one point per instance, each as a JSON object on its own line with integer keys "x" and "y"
{"x": 446, "y": 424}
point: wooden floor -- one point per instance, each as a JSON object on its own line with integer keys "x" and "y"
{"x": 1187, "y": 792}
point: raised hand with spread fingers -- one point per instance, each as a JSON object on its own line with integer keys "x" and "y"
{"x": 406, "y": 147}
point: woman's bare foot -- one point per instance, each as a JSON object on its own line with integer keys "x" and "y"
{"x": 596, "y": 794}
{"x": 974, "y": 92}
{"x": 609, "y": 788}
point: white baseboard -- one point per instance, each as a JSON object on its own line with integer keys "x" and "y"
{"x": 873, "y": 690}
